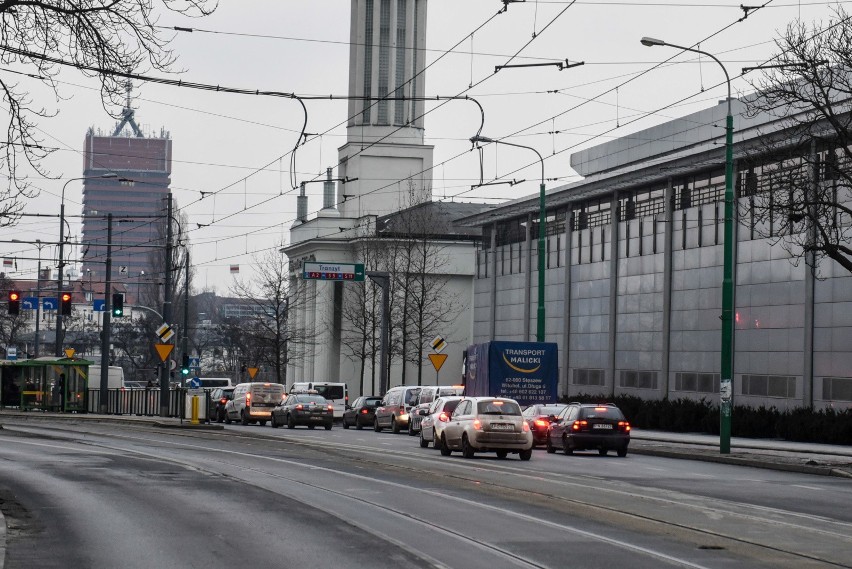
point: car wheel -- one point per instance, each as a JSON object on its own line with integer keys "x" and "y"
{"x": 467, "y": 450}
{"x": 358, "y": 424}
{"x": 243, "y": 419}
{"x": 423, "y": 442}
{"x": 291, "y": 422}
{"x": 263, "y": 423}
{"x": 566, "y": 447}
{"x": 602, "y": 451}
{"x": 502, "y": 454}
{"x": 376, "y": 426}
{"x": 328, "y": 426}
{"x": 394, "y": 426}
{"x": 274, "y": 422}
{"x": 436, "y": 442}
{"x": 622, "y": 452}
{"x": 227, "y": 419}
{"x": 549, "y": 446}
{"x": 345, "y": 424}
{"x": 445, "y": 450}
{"x": 411, "y": 431}
{"x": 525, "y": 454}
{"x": 220, "y": 416}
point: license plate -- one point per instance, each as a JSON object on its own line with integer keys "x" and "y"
{"x": 502, "y": 427}
{"x": 603, "y": 426}
{"x": 317, "y": 418}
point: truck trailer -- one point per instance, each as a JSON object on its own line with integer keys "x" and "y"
{"x": 527, "y": 372}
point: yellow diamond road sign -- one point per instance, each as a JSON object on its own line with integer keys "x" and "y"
{"x": 165, "y": 333}
{"x": 438, "y": 344}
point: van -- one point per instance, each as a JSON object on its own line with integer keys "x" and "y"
{"x": 428, "y": 394}
{"x": 334, "y": 392}
{"x": 395, "y": 408}
{"x": 211, "y": 383}
{"x": 253, "y": 402}
{"x": 115, "y": 377}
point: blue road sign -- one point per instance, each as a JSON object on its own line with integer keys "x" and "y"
{"x": 29, "y": 303}
{"x": 195, "y": 383}
{"x": 51, "y": 303}
{"x": 98, "y": 304}
{"x": 194, "y": 362}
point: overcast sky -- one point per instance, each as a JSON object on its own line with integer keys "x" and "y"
{"x": 229, "y": 146}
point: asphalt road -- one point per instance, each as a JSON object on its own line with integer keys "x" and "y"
{"x": 78, "y": 495}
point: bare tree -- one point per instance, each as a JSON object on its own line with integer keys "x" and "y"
{"x": 799, "y": 181}
{"x": 270, "y": 335}
{"x": 11, "y": 326}
{"x": 40, "y": 37}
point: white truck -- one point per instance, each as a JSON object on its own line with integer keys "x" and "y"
{"x": 115, "y": 377}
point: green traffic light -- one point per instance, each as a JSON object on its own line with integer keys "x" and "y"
{"x": 184, "y": 371}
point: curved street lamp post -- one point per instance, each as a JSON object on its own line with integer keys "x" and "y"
{"x": 727, "y": 349}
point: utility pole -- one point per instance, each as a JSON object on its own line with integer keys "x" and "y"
{"x": 382, "y": 279}
{"x": 167, "y": 309}
{"x": 105, "y": 333}
{"x": 185, "y": 340}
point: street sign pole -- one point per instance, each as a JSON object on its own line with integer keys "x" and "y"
{"x": 105, "y": 332}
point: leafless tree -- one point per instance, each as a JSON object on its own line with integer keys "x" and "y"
{"x": 11, "y": 326}
{"x": 41, "y": 37}
{"x": 799, "y": 180}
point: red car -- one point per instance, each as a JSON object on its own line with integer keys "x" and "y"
{"x": 539, "y": 417}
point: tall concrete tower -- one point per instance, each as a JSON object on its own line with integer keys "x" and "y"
{"x": 384, "y": 142}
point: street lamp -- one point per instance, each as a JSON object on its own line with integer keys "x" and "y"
{"x": 542, "y": 220}
{"x": 726, "y": 386}
{"x": 59, "y": 332}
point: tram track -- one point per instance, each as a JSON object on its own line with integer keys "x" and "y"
{"x": 469, "y": 473}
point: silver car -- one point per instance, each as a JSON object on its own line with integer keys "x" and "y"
{"x": 437, "y": 417}
{"x": 487, "y": 424}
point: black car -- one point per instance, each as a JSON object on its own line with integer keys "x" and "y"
{"x": 582, "y": 426}
{"x": 362, "y": 412}
{"x": 539, "y": 417}
{"x": 303, "y": 409}
{"x": 219, "y": 397}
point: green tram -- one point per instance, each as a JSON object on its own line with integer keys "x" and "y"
{"x": 45, "y": 384}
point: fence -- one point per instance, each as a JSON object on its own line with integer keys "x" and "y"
{"x": 140, "y": 402}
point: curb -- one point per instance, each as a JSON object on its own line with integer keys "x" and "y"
{"x": 742, "y": 461}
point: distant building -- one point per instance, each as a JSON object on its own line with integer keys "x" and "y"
{"x": 136, "y": 198}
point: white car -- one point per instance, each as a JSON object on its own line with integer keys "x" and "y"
{"x": 436, "y": 418}
{"x": 487, "y": 424}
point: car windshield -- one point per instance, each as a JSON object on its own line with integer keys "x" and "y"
{"x": 372, "y": 402}
{"x": 601, "y": 413}
{"x": 496, "y": 407}
{"x": 310, "y": 399}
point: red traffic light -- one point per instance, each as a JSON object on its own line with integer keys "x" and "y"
{"x": 65, "y": 304}
{"x": 66, "y": 297}
{"x": 13, "y": 295}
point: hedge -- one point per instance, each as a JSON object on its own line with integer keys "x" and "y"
{"x": 827, "y": 426}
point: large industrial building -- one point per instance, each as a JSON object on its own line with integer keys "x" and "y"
{"x": 634, "y": 272}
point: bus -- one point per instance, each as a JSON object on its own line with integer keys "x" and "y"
{"x": 335, "y": 393}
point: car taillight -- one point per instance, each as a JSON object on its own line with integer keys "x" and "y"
{"x": 330, "y": 407}
{"x": 443, "y": 417}
{"x": 624, "y": 426}
{"x": 248, "y": 398}
{"x": 541, "y": 423}
{"x": 299, "y": 407}
{"x": 365, "y": 411}
{"x": 527, "y": 427}
{"x": 579, "y": 425}
{"x": 477, "y": 424}
{"x": 223, "y": 401}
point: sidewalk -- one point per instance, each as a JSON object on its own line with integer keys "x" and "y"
{"x": 806, "y": 458}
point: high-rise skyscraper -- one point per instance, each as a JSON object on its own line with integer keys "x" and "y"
{"x": 136, "y": 198}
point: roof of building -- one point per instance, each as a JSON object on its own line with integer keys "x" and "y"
{"x": 436, "y": 219}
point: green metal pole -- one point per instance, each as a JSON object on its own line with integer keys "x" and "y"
{"x": 539, "y": 336}
{"x": 726, "y": 387}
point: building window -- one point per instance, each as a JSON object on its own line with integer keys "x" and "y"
{"x": 401, "y": 32}
{"x": 384, "y": 60}
{"x": 638, "y": 379}
{"x": 588, "y": 377}
{"x": 837, "y": 388}
{"x": 697, "y": 382}
{"x": 769, "y": 385}
{"x": 368, "y": 62}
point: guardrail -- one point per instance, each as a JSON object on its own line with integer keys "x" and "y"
{"x": 140, "y": 402}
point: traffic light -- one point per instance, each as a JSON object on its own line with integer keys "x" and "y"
{"x": 14, "y": 302}
{"x": 184, "y": 366}
{"x": 65, "y": 302}
{"x": 117, "y": 304}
